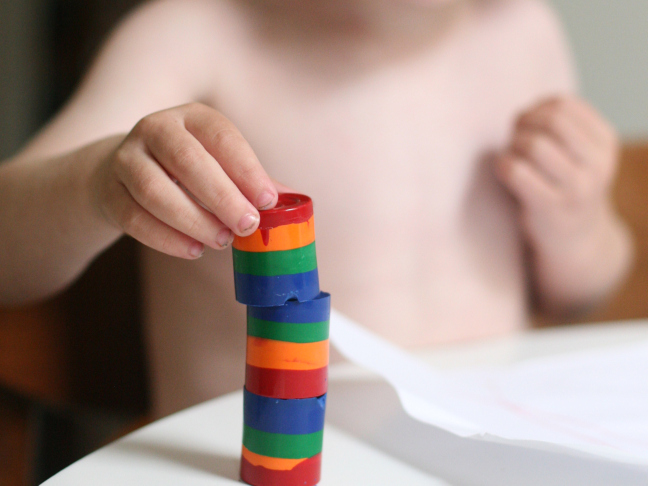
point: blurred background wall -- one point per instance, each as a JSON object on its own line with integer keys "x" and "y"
{"x": 24, "y": 64}
{"x": 45, "y": 45}
{"x": 610, "y": 41}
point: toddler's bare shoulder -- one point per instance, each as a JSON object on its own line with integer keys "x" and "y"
{"x": 534, "y": 28}
{"x": 186, "y": 41}
{"x": 191, "y": 19}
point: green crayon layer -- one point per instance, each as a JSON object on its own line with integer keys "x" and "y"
{"x": 308, "y": 332}
{"x": 274, "y": 263}
{"x": 283, "y": 446}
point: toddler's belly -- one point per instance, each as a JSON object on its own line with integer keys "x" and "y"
{"x": 421, "y": 296}
{"x": 451, "y": 306}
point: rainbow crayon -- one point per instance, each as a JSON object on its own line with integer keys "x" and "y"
{"x": 288, "y": 349}
{"x": 286, "y": 379}
{"x": 278, "y": 261}
{"x": 282, "y": 440}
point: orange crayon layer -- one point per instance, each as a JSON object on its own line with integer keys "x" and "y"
{"x": 281, "y": 355}
{"x": 271, "y": 462}
{"x": 307, "y": 473}
{"x": 282, "y": 238}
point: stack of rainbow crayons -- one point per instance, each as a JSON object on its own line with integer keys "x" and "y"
{"x": 275, "y": 273}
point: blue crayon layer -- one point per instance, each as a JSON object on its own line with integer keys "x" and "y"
{"x": 291, "y": 417}
{"x": 265, "y": 291}
{"x": 316, "y": 310}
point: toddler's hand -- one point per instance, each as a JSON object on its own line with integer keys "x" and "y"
{"x": 560, "y": 166}
{"x": 183, "y": 178}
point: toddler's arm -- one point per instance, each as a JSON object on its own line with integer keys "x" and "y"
{"x": 560, "y": 167}
{"x": 61, "y": 205}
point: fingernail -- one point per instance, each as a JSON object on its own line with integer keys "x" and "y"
{"x": 224, "y": 238}
{"x": 265, "y": 200}
{"x": 248, "y": 222}
{"x": 196, "y": 250}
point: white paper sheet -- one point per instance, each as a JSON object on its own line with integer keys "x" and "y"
{"x": 594, "y": 402}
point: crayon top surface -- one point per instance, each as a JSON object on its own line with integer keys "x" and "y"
{"x": 290, "y": 209}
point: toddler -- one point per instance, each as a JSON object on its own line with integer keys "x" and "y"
{"x": 456, "y": 176}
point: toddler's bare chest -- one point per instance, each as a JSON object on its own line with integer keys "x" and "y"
{"x": 390, "y": 148}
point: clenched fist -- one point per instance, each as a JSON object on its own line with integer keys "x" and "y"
{"x": 560, "y": 167}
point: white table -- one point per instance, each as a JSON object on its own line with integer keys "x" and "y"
{"x": 201, "y": 445}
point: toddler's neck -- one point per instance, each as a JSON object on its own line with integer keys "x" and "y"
{"x": 381, "y": 21}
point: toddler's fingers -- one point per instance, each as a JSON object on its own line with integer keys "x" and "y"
{"x": 148, "y": 230}
{"x": 526, "y": 183}
{"x": 152, "y": 189}
{"x": 227, "y": 145}
{"x": 599, "y": 129}
{"x": 186, "y": 159}
{"x": 564, "y": 128}
{"x": 548, "y": 156}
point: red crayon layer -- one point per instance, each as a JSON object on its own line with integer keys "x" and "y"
{"x": 306, "y": 473}
{"x": 286, "y": 384}
{"x": 290, "y": 209}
